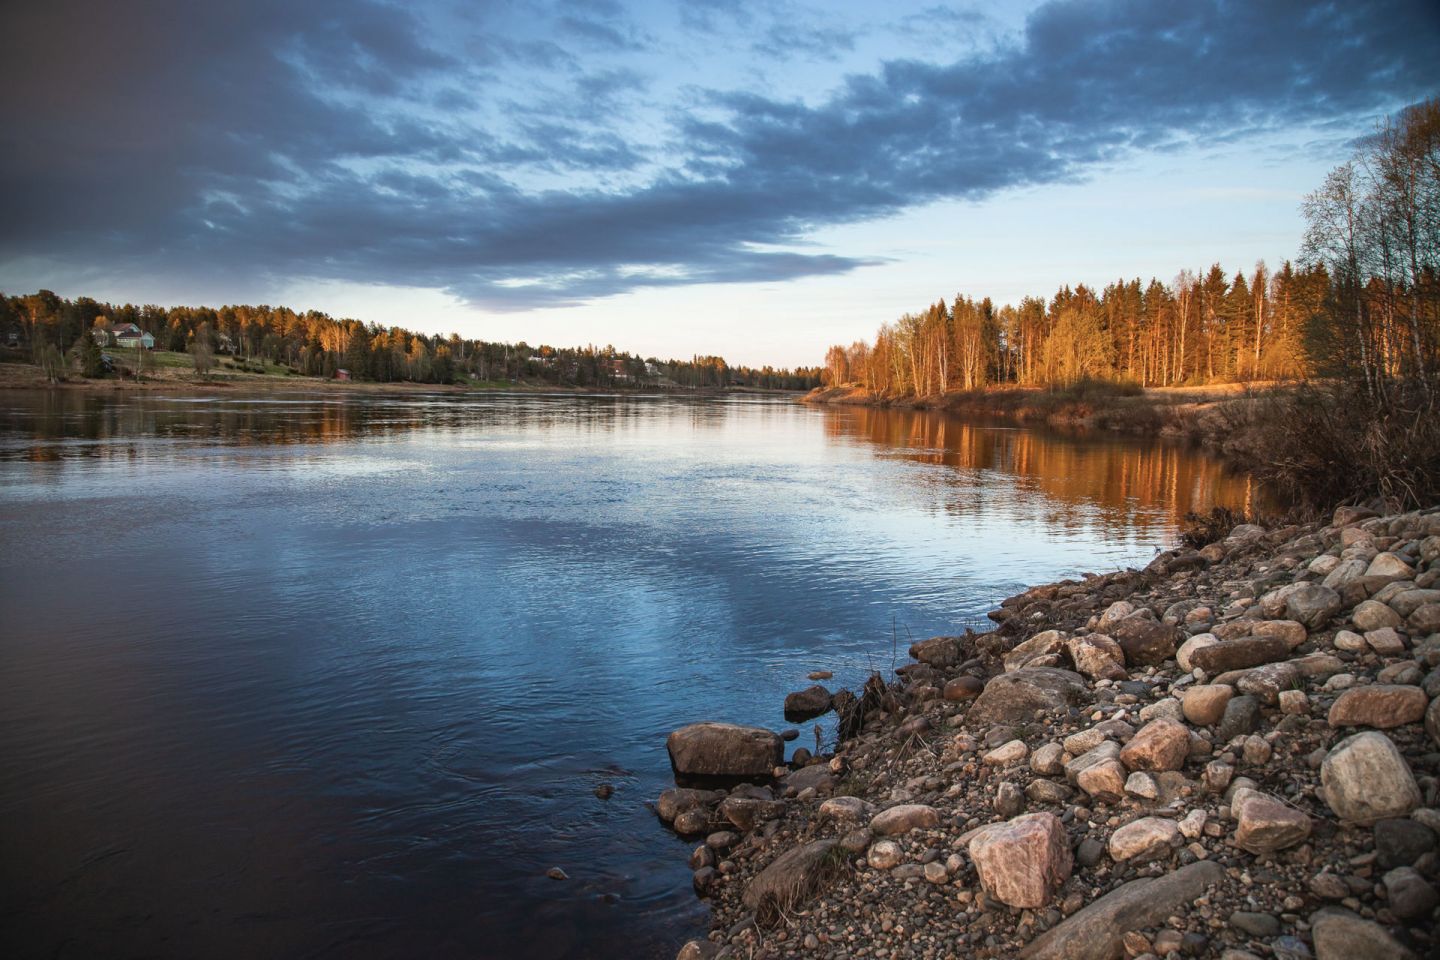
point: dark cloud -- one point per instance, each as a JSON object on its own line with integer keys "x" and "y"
{"x": 329, "y": 139}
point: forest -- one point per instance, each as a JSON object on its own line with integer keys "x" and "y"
{"x": 56, "y": 334}
{"x": 1363, "y": 302}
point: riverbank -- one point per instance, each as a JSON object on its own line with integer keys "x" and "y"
{"x": 171, "y": 380}
{"x": 1192, "y": 413}
{"x": 1233, "y": 753}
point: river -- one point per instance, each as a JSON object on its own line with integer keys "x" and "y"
{"x": 327, "y": 675}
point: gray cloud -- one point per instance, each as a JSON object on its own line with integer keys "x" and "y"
{"x": 332, "y": 139}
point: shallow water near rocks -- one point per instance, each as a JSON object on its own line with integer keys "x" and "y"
{"x": 314, "y": 675}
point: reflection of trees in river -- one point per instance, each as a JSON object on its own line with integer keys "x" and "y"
{"x": 1125, "y": 482}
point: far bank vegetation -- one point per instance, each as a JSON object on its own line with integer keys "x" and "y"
{"x": 1350, "y": 333}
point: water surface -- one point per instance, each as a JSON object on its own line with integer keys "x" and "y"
{"x": 335, "y": 676}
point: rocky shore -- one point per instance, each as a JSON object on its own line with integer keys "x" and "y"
{"x": 1232, "y": 753}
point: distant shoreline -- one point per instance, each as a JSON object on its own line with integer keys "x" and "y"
{"x": 24, "y": 376}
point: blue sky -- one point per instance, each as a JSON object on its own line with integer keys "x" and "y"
{"x": 751, "y": 179}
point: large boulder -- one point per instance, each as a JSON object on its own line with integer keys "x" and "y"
{"x": 1016, "y": 696}
{"x": 1145, "y": 641}
{"x": 1239, "y": 654}
{"x": 724, "y": 750}
{"x": 1160, "y": 745}
{"x": 1341, "y": 935}
{"x": 1023, "y": 861}
{"x": 1311, "y": 604}
{"x": 1364, "y": 778}
{"x": 807, "y": 704}
{"x": 1381, "y": 705}
{"x": 1094, "y": 933}
{"x": 793, "y": 878}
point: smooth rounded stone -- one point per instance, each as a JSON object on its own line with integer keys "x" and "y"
{"x": 1097, "y": 656}
{"x": 1239, "y": 654}
{"x": 816, "y": 776}
{"x": 938, "y": 652}
{"x": 1047, "y": 791}
{"x": 1350, "y": 641}
{"x": 1404, "y": 672}
{"x": 1379, "y": 705}
{"x": 675, "y": 801}
{"x": 1159, "y": 745}
{"x": 1205, "y": 704}
{"x": 703, "y": 879}
{"x": 1385, "y": 641}
{"x": 1291, "y": 631}
{"x": 1364, "y": 778}
{"x": 1294, "y": 703}
{"x": 1115, "y": 729}
{"x": 1432, "y": 720}
{"x": 1104, "y": 780}
{"x": 1242, "y": 715}
{"x": 962, "y": 688}
{"x": 855, "y": 841}
{"x": 1142, "y": 785}
{"x": 1425, "y": 620}
{"x": 724, "y": 750}
{"x": 1235, "y": 629}
{"x": 1408, "y": 601}
{"x": 1048, "y": 760}
{"x": 1310, "y": 604}
{"x": 1340, "y": 681}
{"x": 1114, "y": 613}
{"x": 807, "y": 704}
{"x": 1016, "y": 696}
{"x": 722, "y": 839}
{"x": 1410, "y": 895}
{"x": 702, "y": 856}
{"x": 698, "y": 950}
{"x": 1266, "y": 682}
{"x": 1391, "y": 566}
{"x": 1009, "y": 800}
{"x": 1145, "y": 641}
{"x": 884, "y": 855}
{"x": 1264, "y": 824}
{"x": 904, "y": 818}
{"x": 1217, "y": 776}
{"x": 692, "y": 822}
{"x": 1187, "y": 649}
{"x": 1400, "y": 841}
{"x": 791, "y": 879}
{"x": 1168, "y": 708}
{"x": 1256, "y": 751}
{"x": 913, "y": 727}
{"x": 1341, "y": 935}
{"x": 1346, "y": 572}
{"x": 1008, "y": 753}
{"x": 1255, "y": 924}
{"x": 1370, "y": 615}
{"x": 1328, "y": 886}
{"x": 1041, "y": 645}
{"x": 935, "y": 872}
{"x": 845, "y": 809}
{"x": 1323, "y": 564}
{"x": 1023, "y": 861}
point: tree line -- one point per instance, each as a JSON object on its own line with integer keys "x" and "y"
{"x": 313, "y": 343}
{"x": 1363, "y": 302}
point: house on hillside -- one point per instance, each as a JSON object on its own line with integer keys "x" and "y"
{"x": 130, "y": 335}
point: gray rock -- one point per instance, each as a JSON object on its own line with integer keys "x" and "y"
{"x": 1094, "y": 932}
{"x": 807, "y": 704}
{"x": 1242, "y": 716}
{"x": 1340, "y": 935}
{"x": 1016, "y": 696}
{"x": 1400, "y": 841}
{"x": 793, "y": 878}
{"x": 1364, "y": 778}
{"x": 1145, "y": 641}
{"x": 1311, "y": 604}
{"x": 1409, "y": 894}
{"x": 724, "y": 750}
{"x": 1255, "y": 924}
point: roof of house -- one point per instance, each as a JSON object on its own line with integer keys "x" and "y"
{"x": 124, "y": 328}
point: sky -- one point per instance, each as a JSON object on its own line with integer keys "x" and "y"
{"x": 676, "y": 177}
